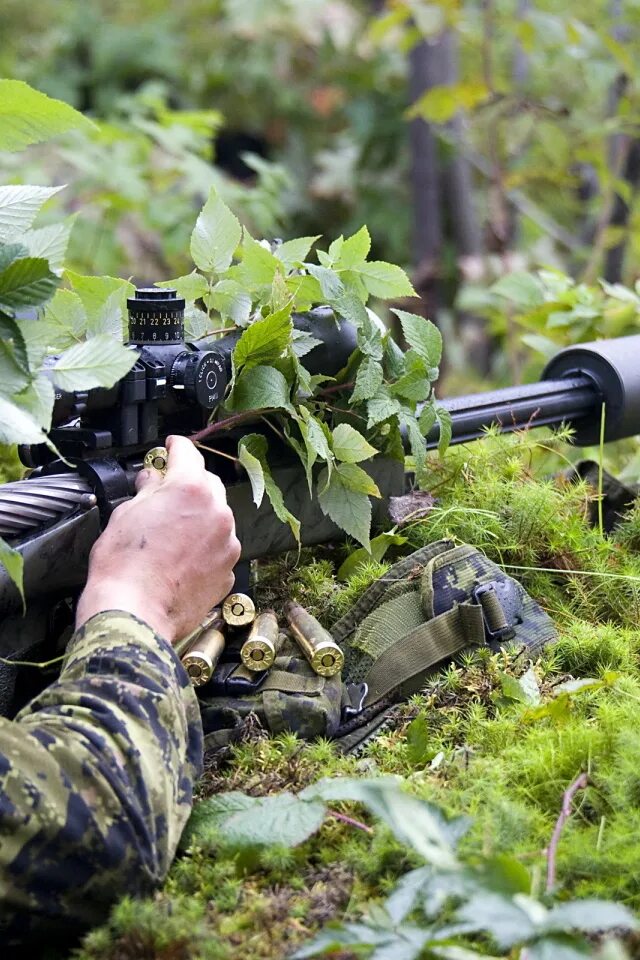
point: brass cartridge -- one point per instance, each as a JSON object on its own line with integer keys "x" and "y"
{"x": 259, "y": 649}
{"x": 156, "y": 459}
{"x": 238, "y": 610}
{"x": 202, "y": 656}
{"x": 183, "y": 645}
{"x": 323, "y": 653}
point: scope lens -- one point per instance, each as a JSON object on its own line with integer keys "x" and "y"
{"x": 156, "y": 315}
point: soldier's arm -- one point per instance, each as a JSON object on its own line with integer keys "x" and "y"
{"x": 96, "y": 774}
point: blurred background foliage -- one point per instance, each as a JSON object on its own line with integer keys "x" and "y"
{"x": 474, "y": 137}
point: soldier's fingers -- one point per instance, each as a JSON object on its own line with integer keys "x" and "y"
{"x": 185, "y": 461}
{"x": 217, "y": 487}
{"x": 148, "y": 480}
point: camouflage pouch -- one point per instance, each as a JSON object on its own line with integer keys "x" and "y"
{"x": 289, "y": 696}
{"x": 427, "y": 608}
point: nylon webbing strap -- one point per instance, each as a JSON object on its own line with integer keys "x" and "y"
{"x": 424, "y": 647}
{"x": 493, "y": 611}
{"x": 291, "y": 683}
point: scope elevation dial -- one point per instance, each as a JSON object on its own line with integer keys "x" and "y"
{"x": 156, "y": 315}
{"x": 201, "y": 375}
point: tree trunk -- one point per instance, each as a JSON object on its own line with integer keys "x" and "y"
{"x": 424, "y": 66}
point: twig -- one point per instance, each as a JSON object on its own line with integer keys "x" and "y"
{"x": 334, "y": 388}
{"x": 218, "y": 453}
{"x": 222, "y": 425}
{"x": 565, "y": 812}
{"x": 350, "y": 821}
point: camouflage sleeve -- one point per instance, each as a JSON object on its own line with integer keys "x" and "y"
{"x": 96, "y": 777}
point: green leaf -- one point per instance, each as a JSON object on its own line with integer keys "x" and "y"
{"x": 348, "y": 508}
{"x": 253, "y": 467}
{"x": 427, "y": 418}
{"x": 379, "y": 546}
{"x": 64, "y": 321}
{"x": 109, "y": 319}
{"x": 414, "y": 385}
{"x": 303, "y": 343}
{"x": 417, "y": 444}
{"x": 589, "y": 916}
{"x": 38, "y": 400}
{"x": 412, "y": 821}
{"x": 386, "y": 280}
{"x": 10, "y": 252}
{"x": 258, "y": 267}
{"x": 14, "y": 361}
{"x": 256, "y": 446}
{"x": 381, "y": 407}
{"x": 215, "y": 236}
{"x": 50, "y": 242}
{"x": 196, "y": 322}
{"x": 19, "y": 206}
{"x": 260, "y": 388}
{"x": 422, "y": 335}
{"x": 333, "y": 253}
{"x": 558, "y": 948}
{"x": 17, "y": 425}
{"x": 446, "y": 429}
{"x": 13, "y": 563}
{"x": 402, "y": 900}
{"x": 26, "y": 283}
{"x": 99, "y": 362}
{"x": 368, "y": 380}
{"x": 350, "y": 446}
{"x": 282, "y": 819}
{"x": 315, "y": 442}
{"x": 330, "y": 283}
{"x": 441, "y": 103}
{"x": 264, "y": 341}
{"x": 293, "y": 253}
{"x": 355, "y": 478}
{"x": 508, "y": 922}
{"x": 28, "y": 116}
{"x": 94, "y": 292}
{"x": 511, "y": 688}
{"x": 191, "y": 287}
{"x": 419, "y": 749}
{"x": 355, "y": 250}
{"x": 522, "y": 289}
{"x": 230, "y": 300}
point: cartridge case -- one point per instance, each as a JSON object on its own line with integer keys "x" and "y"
{"x": 323, "y": 653}
{"x": 259, "y": 650}
{"x": 156, "y": 458}
{"x": 202, "y": 656}
{"x": 238, "y": 610}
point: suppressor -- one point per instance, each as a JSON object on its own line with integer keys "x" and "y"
{"x": 238, "y": 610}
{"x": 259, "y": 650}
{"x": 201, "y": 658}
{"x": 323, "y": 653}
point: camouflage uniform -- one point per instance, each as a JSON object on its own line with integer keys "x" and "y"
{"x": 96, "y": 779}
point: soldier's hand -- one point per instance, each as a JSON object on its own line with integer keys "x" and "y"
{"x": 167, "y": 555}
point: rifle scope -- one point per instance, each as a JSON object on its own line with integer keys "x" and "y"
{"x": 173, "y": 384}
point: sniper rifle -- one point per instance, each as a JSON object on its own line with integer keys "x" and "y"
{"x": 55, "y": 515}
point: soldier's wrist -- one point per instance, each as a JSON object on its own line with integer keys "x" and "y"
{"x": 103, "y": 594}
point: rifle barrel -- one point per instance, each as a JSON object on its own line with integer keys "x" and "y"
{"x": 546, "y": 403}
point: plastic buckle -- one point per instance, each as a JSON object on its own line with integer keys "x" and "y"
{"x": 510, "y": 600}
{"x": 357, "y": 693}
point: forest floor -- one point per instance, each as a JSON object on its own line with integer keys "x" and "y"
{"x": 476, "y": 741}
